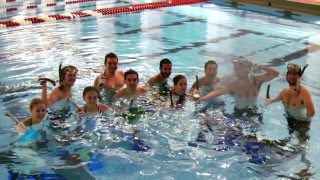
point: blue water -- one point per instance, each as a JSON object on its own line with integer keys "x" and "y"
{"x": 188, "y": 35}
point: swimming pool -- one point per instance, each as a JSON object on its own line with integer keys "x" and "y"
{"x": 188, "y": 35}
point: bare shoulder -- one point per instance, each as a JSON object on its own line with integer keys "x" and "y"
{"x": 120, "y": 72}
{"x": 121, "y": 92}
{"x": 304, "y": 90}
{"x": 152, "y": 80}
{"x": 103, "y": 107}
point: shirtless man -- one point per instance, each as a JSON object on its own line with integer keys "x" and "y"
{"x": 295, "y": 98}
{"x": 111, "y": 77}
{"x": 165, "y": 71}
{"x": 297, "y": 103}
{"x": 210, "y": 78}
{"x": 246, "y": 87}
{"x": 131, "y": 79}
{"x": 67, "y": 77}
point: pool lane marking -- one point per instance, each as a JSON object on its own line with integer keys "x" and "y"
{"x": 95, "y": 13}
{"x": 31, "y": 7}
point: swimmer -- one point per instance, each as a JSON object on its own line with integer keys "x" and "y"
{"x": 246, "y": 87}
{"x": 131, "y": 79}
{"x": 111, "y": 78}
{"x": 178, "y": 93}
{"x": 38, "y": 111}
{"x": 165, "y": 72}
{"x": 67, "y": 77}
{"x": 295, "y": 98}
{"x": 91, "y": 106}
{"x": 209, "y": 81}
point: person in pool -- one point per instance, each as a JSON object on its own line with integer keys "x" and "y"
{"x": 296, "y": 99}
{"x": 67, "y": 77}
{"x": 206, "y": 84}
{"x": 37, "y": 108}
{"x": 161, "y": 79}
{"x": 131, "y": 79}
{"x": 111, "y": 78}
{"x": 178, "y": 93}
{"x": 209, "y": 80}
{"x": 91, "y": 106}
{"x": 165, "y": 72}
{"x": 38, "y": 112}
{"x": 245, "y": 88}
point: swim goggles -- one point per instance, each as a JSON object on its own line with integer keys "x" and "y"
{"x": 71, "y": 69}
{"x": 294, "y": 68}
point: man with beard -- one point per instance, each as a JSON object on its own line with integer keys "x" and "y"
{"x": 131, "y": 79}
{"x": 162, "y": 78}
{"x": 295, "y": 98}
{"x": 245, "y": 88}
{"x": 297, "y": 103}
{"x": 111, "y": 79}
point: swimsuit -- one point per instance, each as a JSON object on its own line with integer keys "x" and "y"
{"x": 296, "y": 113}
{"x": 93, "y": 113}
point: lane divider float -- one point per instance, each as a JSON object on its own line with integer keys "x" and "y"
{"x": 96, "y": 13}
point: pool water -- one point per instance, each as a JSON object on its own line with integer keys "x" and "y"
{"x": 168, "y": 145}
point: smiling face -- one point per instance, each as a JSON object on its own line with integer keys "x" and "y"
{"x": 111, "y": 65}
{"x": 70, "y": 78}
{"x": 211, "y": 70}
{"x": 181, "y": 86}
{"x": 292, "y": 77}
{"x": 241, "y": 70}
{"x": 91, "y": 97}
{"x": 132, "y": 81}
{"x": 165, "y": 70}
{"x": 38, "y": 112}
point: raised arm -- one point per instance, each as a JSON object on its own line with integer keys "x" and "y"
{"x": 44, "y": 93}
{"x": 269, "y": 75}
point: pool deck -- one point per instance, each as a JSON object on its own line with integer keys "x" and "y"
{"x": 306, "y": 6}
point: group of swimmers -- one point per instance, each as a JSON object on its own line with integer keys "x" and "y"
{"x": 244, "y": 87}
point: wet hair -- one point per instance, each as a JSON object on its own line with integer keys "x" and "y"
{"x": 164, "y": 61}
{"x": 110, "y": 55}
{"x": 177, "y": 78}
{"x": 35, "y": 101}
{"x": 210, "y": 62}
{"x": 89, "y": 89}
{"x": 130, "y": 71}
{"x": 63, "y": 71}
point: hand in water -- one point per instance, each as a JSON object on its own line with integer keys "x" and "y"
{"x": 266, "y": 101}
{"x": 102, "y": 81}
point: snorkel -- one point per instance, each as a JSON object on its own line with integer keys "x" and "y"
{"x": 268, "y": 92}
{"x": 171, "y": 100}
